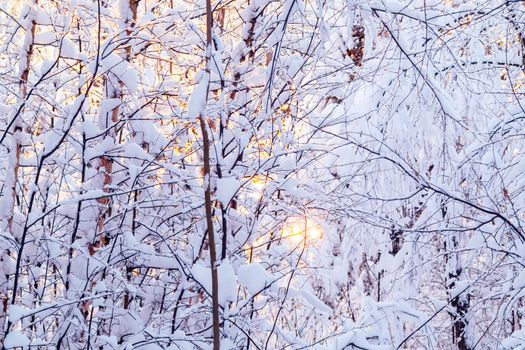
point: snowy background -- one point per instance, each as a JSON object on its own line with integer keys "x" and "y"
{"x": 360, "y": 165}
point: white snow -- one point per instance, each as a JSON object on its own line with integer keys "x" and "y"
{"x": 226, "y": 189}
{"x": 16, "y": 339}
{"x": 254, "y": 277}
{"x": 197, "y": 101}
{"x": 227, "y": 280}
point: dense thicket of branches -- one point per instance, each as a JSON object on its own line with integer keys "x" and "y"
{"x": 366, "y": 175}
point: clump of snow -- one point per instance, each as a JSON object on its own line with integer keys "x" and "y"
{"x": 68, "y": 49}
{"x": 254, "y": 277}
{"x": 197, "y": 102}
{"x": 226, "y": 189}
{"x": 227, "y": 280}
{"x": 16, "y": 339}
{"x": 16, "y": 312}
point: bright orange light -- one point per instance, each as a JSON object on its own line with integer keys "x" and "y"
{"x": 187, "y": 149}
{"x": 264, "y": 146}
{"x": 285, "y": 108}
{"x": 160, "y": 178}
{"x": 259, "y": 182}
{"x": 298, "y": 230}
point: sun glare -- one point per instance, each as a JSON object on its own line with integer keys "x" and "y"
{"x": 298, "y": 230}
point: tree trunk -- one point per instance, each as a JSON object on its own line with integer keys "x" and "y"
{"x": 207, "y": 190}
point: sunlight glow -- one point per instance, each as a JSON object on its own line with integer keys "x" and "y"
{"x": 301, "y": 229}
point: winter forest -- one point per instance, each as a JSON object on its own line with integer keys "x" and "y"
{"x": 262, "y": 174}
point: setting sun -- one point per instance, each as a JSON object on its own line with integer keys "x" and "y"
{"x": 299, "y": 229}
